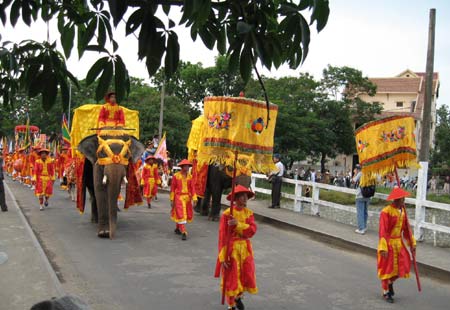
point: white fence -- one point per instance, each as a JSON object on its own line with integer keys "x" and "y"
{"x": 316, "y": 203}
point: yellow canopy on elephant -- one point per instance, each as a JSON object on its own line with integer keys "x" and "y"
{"x": 85, "y": 119}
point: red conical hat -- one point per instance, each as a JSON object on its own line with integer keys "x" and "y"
{"x": 43, "y": 150}
{"x": 398, "y": 193}
{"x": 184, "y": 162}
{"x": 241, "y": 189}
{"x": 150, "y": 157}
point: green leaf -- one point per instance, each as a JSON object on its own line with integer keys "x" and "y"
{"x": 134, "y": 21}
{"x": 120, "y": 76}
{"x": 246, "y": 64}
{"x": 26, "y": 13}
{"x": 65, "y": 93}
{"x": 96, "y": 48}
{"x": 207, "y": 38}
{"x": 67, "y": 39}
{"x": 234, "y": 60}
{"x": 166, "y": 9}
{"x": 115, "y": 45}
{"x": 15, "y": 12}
{"x": 49, "y": 91}
{"x": 90, "y": 30}
{"x": 188, "y": 9}
{"x": 172, "y": 54}
{"x": 95, "y": 70}
{"x": 305, "y": 37}
{"x": 320, "y": 14}
{"x": 243, "y": 27}
{"x": 117, "y": 9}
{"x": 222, "y": 42}
{"x": 105, "y": 81}
{"x": 154, "y": 55}
{"x": 101, "y": 38}
{"x": 36, "y": 85}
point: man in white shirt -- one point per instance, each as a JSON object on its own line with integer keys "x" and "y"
{"x": 276, "y": 176}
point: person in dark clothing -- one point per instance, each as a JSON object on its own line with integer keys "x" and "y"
{"x": 3, "y": 205}
{"x": 276, "y": 179}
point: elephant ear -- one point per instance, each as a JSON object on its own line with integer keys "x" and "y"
{"x": 137, "y": 149}
{"x": 88, "y": 147}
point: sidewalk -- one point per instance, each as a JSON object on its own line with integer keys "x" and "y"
{"x": 432, "y": 261}
{"x": 26, "y": 276}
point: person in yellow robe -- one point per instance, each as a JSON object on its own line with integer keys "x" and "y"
{"x": 150, "y": 179}
{"x": 235, "y": 261}
{"x": 182, "y": 198}
{"x": 44, "y": 175}
{"x": 394, "y": 260}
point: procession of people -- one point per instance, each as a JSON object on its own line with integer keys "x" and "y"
{"x": 36, "y": 166}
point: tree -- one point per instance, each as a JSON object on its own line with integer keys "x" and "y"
{"x": 271, "y": 32}
{"x": 439, "y": 155}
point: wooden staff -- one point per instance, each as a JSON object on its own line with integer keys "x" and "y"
{"x": 229, "y": 231}
{"x": 413, "y": 252}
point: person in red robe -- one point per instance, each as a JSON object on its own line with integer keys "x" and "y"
{"x": 44, "y": 175}
{"x": 235, "y": 261}
{"x": 111, "y": 114}
{"x": 394, "y": 260}
{"x": 182, "y": 198}
{"x": 150, "y": 179}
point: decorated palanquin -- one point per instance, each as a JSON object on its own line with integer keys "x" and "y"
{"x": 86, "y": 122}
{"x": 384, "y": 145}
{"x": 237, "y": 125}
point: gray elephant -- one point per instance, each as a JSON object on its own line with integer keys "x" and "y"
{"x": 112, "y": 158}
{"x": 216, "y": 182}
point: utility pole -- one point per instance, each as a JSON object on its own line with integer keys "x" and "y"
{"x": 424, "y": 152}
{"x": 426, "y": 117}
{"x": 161, "y": 111}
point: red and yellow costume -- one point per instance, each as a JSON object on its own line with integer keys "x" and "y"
{"x": 391, "y": 233}
{"x": 111, "y": 115}
{"x": 240, "y": 275}
{"x": 150, "y": 180}
{"x": 44, "y": 175}
{"x": 62, "y": 162}
{"x": 182, "y": 193}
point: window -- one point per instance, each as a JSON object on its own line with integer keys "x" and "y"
{"x": 399, "y": 104}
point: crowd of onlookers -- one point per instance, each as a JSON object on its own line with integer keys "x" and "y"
{"x": 344, "y": 179}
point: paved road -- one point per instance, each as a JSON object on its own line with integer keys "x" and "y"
{"x": 149, "y": 267}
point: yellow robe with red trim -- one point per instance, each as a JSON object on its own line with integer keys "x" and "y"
{"x": 182, "y": 193}
{"x": 240, "y": 276}
{"x": 150, "y": 180}
{"x": 111, "y": 115}
{"x": 392, "y": 232}
{"x": 44, "y": 176}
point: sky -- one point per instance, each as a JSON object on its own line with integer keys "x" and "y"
{"x": 381, "y": 38}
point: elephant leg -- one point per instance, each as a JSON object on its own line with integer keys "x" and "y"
{"x": 101, "y": 199}
{"x": 198, "y": 206}
{"x": 204, "y": 211}
{"x": 94, "y": 210}
{"x": 216, "y": 203}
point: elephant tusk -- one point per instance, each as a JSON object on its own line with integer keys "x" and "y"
{"x": 125, "y": 180}
{"x": 104, "y": 179}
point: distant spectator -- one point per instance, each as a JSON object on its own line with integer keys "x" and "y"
{"x": 432, "y": 183}
{"x": 301, "y": 174}
{"x": 447, "y": 185}
{"x": 276, "y": 178}
{"x": 362, "y": 203}
{"x": 2, "y": 188}
{"x": 312, "y": 176}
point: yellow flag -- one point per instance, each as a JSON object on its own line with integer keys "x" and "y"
{"x": 385, "y": 144}
{"x": 238, "y": 125}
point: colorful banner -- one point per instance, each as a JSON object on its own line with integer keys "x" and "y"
{"x": 233, "y": 125}
{"x": 385, "y": 144}
{"x": 161, "y": 151}
{"x": 65, "y": 131}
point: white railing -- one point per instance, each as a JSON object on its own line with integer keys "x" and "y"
{"x": 316, "y": 202}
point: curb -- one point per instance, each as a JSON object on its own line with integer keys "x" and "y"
{"x": 58, "y": 286}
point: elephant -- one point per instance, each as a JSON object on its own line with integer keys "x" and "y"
{"x": 216, "y": 182}
{"x": 109, "y": 156}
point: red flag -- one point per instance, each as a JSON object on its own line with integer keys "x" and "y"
{"x": 161, "y": 151}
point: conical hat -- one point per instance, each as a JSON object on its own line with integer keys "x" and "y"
{"x": 241, "y": 189}
{"x": 398, "y": 193}
{"x": 184, "y": 162}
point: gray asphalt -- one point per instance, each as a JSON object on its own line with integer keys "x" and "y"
{"x": 148, "y": 267}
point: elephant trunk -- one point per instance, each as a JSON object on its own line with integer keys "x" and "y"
{"x": 115, "y": 174}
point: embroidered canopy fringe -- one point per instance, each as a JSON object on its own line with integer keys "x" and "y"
{"x": 385, "y": 144}
{"x": 232, "y": 125}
